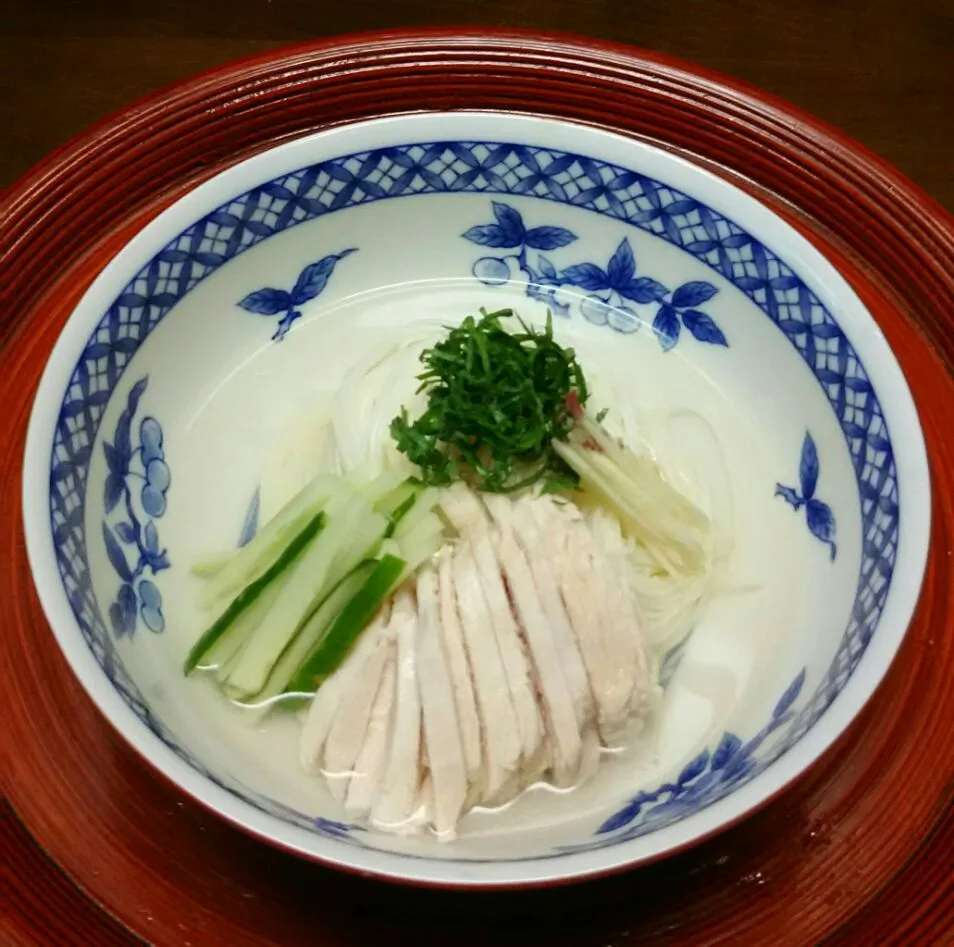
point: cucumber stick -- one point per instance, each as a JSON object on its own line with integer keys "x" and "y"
{"x": 311, "y": 633}
{"x": 332, "y": 647}
{"x": 253, "y": 591}
{"x": 402, "y": 496}
{"x": 210, "y": 566}
{"x": 331, "y": 557}
{"x": 251, "y": 560}
{"x": 422, "y": 507}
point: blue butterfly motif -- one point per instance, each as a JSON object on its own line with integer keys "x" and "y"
{"x": 311, "y": 283}
{"x": 821, "y": 519}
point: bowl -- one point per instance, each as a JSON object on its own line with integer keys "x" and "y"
{"x": 228, "y": 317}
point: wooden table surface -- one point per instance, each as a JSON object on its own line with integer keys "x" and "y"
{"x": 881, "y": 70}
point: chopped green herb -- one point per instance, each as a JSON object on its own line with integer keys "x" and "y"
{"x": 496, "y": 400}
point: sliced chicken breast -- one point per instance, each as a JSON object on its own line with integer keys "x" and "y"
{"x": 396, "y": 802}
{"x": 499, "y": 732}
{"x": 512, "y": 650}
{"x": 458, "y": 665}
{"x": 589, "y": 603}
{"x": 372, "y": 760}
{"x": 445, "y": 755}
{"x": 528, "y": 535}
{"x": 349, "y": 729}
{"x": 463, "y": 508}
{"x": 327, "y": 701}
{"x": 562, "y": 726}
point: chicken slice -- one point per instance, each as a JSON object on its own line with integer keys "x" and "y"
{"x": 606, "y": 546}
{"x": 458, "y": 664}
{"x": 349, "y": 729}
{"x": 463, "y": 508}
{"x": 499, "y": 734}
{"x": 395, "y": 804}
{"x": 563, "y": 729}
{"x": 445, "y": 755}
{"x": 587, "y": 599}
{"x": 527, "y": 533}
{"x": 325, "y": 705}
{"x": 512, "y": 649}
{"x": 370, "y": 765}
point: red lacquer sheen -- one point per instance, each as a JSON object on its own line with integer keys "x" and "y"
{"x": 859, "y": 851}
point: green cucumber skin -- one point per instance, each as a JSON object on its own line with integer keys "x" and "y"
{"x": 398, "y": 514}
{"x": 354, "y": 617}
{"x": 252, "y": 591}
{"x": 298, "y": 649}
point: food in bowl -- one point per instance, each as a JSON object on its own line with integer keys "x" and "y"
{"x": 481, "y": 606}
{"x": 188, "y": 401}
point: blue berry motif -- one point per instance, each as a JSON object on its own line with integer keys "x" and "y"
{"x": 135, "y": 530}
{"x": 612, "y": 291}
{"x": 310, "y": 283}
{"x": 821, "y": 520}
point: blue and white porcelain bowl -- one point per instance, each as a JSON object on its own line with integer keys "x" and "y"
{"x": 248, "y": 300}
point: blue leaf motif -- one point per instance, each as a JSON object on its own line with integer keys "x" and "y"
{"x": 643, "y": 290}
{"x": 122, "y": 613}
{"x": 510, "y": 221}
{"x": 115, "y": 553}
{"x": 135, "y": 393}
{"x": 728, "y": 746}
{"x": 113, "y": 491}
{"x": 490, "y": 235}
{"x": 693, "y": 294}
{"x": 703, "y": 328}
{"x": 547, "y": 269}
{"x": 113, "y": 459}
{"x": 587, "y": 276}
{"x": 625, "y": 815}
{"x": 694, "y": 768}
{"x": 548, "y": 238}
{"x": 667, "y": 326}
{"x": 267, "y": 302}
{"x": 315, "y": 276}
{"x": 821, "y": 522}
{"x": 622, "y": 266}
{"x": 126, "y": 532}
{"x": 122, "y": 439}
{"x": 790, "y": 695}
{"x": 808, "y": 467}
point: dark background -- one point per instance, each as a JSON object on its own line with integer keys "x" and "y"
{"x": 882, "y": 70}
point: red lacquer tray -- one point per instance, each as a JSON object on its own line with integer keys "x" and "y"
{"x": 861, "y": 851}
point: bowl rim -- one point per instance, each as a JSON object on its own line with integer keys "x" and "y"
{"x": 818, "y": 272}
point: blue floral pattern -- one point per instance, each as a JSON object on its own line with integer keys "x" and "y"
{"x": 146, "y": 465}
{"x": 612, "y": 290}
{"x": 709, "y": 776}
{"x": 821, "y": 520}
{"x": 310, "y": 283}
{"x": 489, "y": 169}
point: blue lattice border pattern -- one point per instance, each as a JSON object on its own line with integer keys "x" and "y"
{"x": 490, "y": 168}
